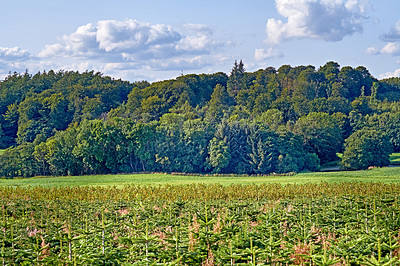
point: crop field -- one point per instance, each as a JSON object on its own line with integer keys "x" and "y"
{"x": 326, "y": 218}
{"x": 202, "y": 224}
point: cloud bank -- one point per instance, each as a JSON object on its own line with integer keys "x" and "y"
{"x": 132, "y": 40}
{"x": 329, "y": 20}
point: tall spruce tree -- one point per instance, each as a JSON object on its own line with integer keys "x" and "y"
{"x": 237, "y": 79}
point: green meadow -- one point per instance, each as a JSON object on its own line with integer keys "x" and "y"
{"x": 385, "y": 175}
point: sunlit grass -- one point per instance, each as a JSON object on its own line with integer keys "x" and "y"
{"x": 395, "y": 158}
{"x": 385, "y": 175}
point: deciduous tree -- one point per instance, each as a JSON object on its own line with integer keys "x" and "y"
{"x": 366, "y": 147}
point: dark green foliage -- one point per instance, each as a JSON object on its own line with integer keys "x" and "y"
{"x": 366, "y": 147}
{"x": 9, "y": 126}
{"x": 100, "y": 146}
{"x": 60, "y": 156}
{"x": 388, "y": 123}
{"x": 181, "y": 145}
{"x": 219, "y": 104}
{"x": 241, "y": 148}
{"x": 294, "y": 155}
{"x": 237, "y": 79}
{"x": 330, "y": 105}
{"x": 362, "y": 105}
{"x": 19, "y": 161}
{"x": 264, "y": 154}
{"x": 351, "y": 80}
{"x": 321, "y": 135}
{"x": 389, "y": 89}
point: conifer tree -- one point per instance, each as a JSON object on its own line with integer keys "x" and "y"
{"x": 237, "y": 79}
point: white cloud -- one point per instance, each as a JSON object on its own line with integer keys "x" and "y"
{"x": 198, "y": 39}
{"x": 81, "y": 43}
{"x": 395, "y": 73}
{"x": 329, "y": 20}
{"x": 261, "y": 54}
{"x": 133, "y": 40}
{"x": 392, "y": 48}
{"x": 133, "y": 36}
{"x": 12, "y": 54}
{"x": 195, "y": 44}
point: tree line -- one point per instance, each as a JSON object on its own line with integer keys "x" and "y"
{"x": 285, "y": 120}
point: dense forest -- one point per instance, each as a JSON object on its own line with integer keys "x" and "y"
{"x": 268, "y": 121}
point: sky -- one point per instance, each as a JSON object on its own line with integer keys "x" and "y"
{"x": 157, "y": 39}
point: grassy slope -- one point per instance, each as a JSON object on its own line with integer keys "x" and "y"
{"x": 385, "y": 175}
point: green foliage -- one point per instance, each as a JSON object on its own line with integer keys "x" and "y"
{"x": 389, "y": 123}
{"x": 312, "y": 162}
{"x": 9, "y": 126}
{"x": 389, "y": 89}
{"x": 47, "y": 102}
{"x": 272, "y": 118}
{"x": 60, "y": 156}
{"x": 219, "y": 104}
{"x": 362, "y": 105}
{"x": 321, "y": 134}
{"x": 237, "y": 79}
{"x": 219, "y": 155}
{"x": 101, "y": 147}
{"x": 18, "y": 161}
{"x": 366, "y": 147}
{"x": 71, "y": 119}
{"x": 264, "y": 151}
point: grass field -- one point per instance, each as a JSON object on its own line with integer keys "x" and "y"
{"x": 395, "y": 158}
{"x": 385, "y": 175}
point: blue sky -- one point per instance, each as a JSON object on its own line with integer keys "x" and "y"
{"x": 157, "y": 39}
